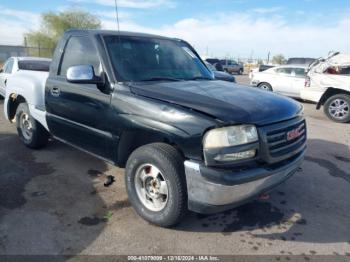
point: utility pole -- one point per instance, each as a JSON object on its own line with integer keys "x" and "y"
{"x": 25, "y": 46}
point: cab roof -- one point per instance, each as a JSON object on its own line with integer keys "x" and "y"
{"x": 93, "y": 32}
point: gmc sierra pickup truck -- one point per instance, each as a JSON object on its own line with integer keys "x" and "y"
{"x": 149, "y": 104}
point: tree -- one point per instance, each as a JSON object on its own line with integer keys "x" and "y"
{"x": 279, "y": 59}
{"x": 53, "y": 26}
{"x": 260, "y": 62}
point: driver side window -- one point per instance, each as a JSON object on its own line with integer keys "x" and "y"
{"x": 80, "y": 50}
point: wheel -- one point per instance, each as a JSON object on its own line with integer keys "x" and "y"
{"x": 265, "y": 86}
{"x": 337, "y": 108}
{"x": 156, "y": 184}
{"x": 240, "y": 71}
{"x": 30, "y": 131}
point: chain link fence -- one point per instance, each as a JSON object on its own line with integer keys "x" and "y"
{"x": 7, "y": 51}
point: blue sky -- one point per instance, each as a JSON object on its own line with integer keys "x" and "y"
{"x": 237, "y": 28}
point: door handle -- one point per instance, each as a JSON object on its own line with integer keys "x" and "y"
{"x": 5, "y": 82}
{"x": 55, "y": 91}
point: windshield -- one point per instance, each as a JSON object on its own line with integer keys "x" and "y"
{"x": 152, "y": 59}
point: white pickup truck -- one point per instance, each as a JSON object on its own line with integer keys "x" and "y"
{"x": 328, "y": 84}
{"x": 17, "y": 63}
{"x": 29, "y": 87}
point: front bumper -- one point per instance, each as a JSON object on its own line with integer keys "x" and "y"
{"x": 208, "y": 194}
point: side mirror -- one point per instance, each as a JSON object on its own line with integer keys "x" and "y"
{"x": 1, "y": 70}
{"x": 83, "y": 74}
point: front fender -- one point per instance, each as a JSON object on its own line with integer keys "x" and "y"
{"x": 139, "y": 130}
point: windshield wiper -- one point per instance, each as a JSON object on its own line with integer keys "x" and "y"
{"x": 160, "y": 78}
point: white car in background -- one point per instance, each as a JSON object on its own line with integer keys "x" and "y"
{"x": 287, "y": 80}
{"x": 14, "y": 64}
{"x": 328, "y": 84}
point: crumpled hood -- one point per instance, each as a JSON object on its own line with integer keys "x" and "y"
{"x": 223, "y": 100}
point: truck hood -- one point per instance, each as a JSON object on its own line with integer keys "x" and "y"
{"x": 223, "y": 100}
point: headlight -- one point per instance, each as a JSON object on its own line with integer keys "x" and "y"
{"x": 230, "y": 136}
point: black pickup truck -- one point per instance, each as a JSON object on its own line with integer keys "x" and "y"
{"x": 149, "y": 104}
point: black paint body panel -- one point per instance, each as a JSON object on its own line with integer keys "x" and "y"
{"x": 113, "y": 121}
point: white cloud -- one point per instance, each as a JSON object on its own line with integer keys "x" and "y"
{"x": 112, "y": 15}
{"x": 233, "y": 34}
{"x": 19, "y": 14}
{"x": 267, "y": 10}
{"x": 240, "y": 35}
{"x": 137, "y": 4}
{"x": 7, "y": 34}
{"x": 14, "y": 23}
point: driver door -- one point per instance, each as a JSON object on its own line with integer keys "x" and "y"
{"x": 78, "y": 113}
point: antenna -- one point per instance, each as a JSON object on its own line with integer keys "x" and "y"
{"x": 116, "y": 14}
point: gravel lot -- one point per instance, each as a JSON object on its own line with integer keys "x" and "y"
{"x": 53, "y": 201}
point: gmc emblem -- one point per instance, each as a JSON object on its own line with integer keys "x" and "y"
{"x": 293, "y": 134}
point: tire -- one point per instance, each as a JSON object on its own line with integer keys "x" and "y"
{"x": 337, "y": 108}
{"x": 240, "y": 71}
{"x": 265, "y": 86}
{"x": 163, "y": 210}
{"x": 30, "y": 131}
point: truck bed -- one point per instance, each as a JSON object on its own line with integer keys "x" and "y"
{"x": 31, "y": 86}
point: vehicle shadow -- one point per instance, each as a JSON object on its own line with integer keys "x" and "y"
{"x": 306, "y": 208}
{"x": 49, "y": 198}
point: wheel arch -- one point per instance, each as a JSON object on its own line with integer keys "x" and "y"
{"x": 139, "y": 131}
{"x": 13, "y": 102}
{"x": 132, "y": 140}
{"x": 331, "y": 91}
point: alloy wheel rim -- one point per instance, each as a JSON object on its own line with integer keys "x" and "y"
{"x": 265, "y": 87}
{"x": 26, "y": 126}
{"x": 339, "y": 108}
{"x": 151, "y": 187}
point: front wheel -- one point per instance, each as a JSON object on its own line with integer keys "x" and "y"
{"x": 156, "y": 185}
{"x": 30, "y": 131}
{"x": 337, "y": 108}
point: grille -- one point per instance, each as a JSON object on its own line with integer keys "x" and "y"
{"x": 279, "y": 145}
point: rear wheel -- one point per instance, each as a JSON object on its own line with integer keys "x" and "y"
{"x": 156, "y": 185}
{"x": 265, "y": 86}
{"x": 30, "y": 131}
{"x": 337, "y": 108}
{"x": 240, "y": 71}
